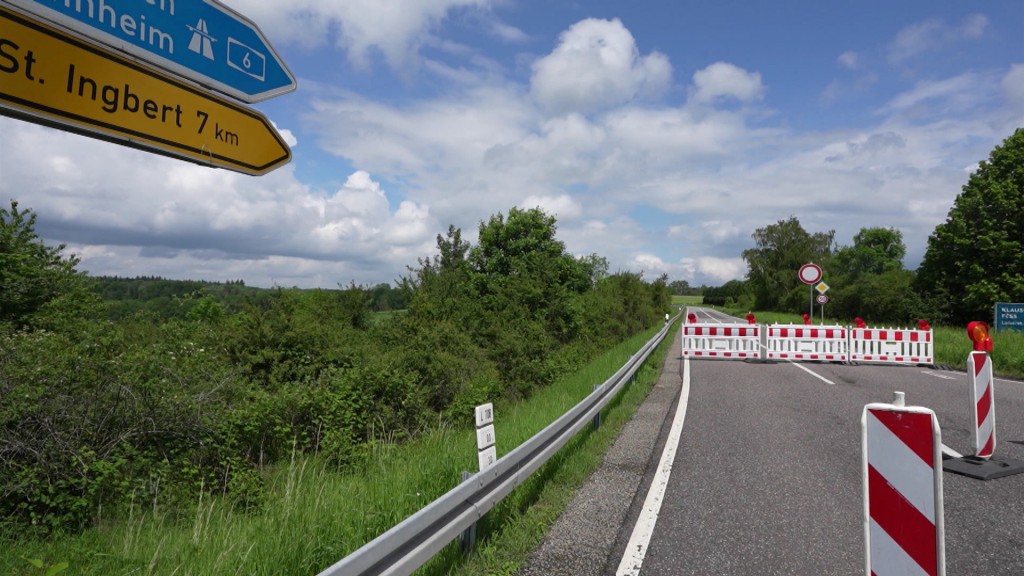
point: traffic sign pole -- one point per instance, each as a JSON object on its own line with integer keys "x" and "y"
{"x": 50, "y": 77}
{"x": 810, "y": 273}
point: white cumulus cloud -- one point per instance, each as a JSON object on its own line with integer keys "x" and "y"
{"x": 597, "y": 65}
{"x": 725, "y": 80}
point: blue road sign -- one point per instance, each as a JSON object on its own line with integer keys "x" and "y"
{"x": 201, "y": 40}
{"x": 1009, "y": 316}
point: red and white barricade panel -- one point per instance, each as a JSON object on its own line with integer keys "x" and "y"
{"x": 882, "y": 345}
{"x": 902, "y": 475}
{"x": 803, "y": 342}
{"x": 721, "y": 340}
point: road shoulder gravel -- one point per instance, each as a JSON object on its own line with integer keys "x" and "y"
{"x": 586, "y": 539}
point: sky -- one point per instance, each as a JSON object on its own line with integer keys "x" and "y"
{"x": 660, "y": 134}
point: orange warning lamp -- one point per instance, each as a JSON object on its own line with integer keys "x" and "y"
{"x": 751, "y": 319}
{"x": 978, "y": 331}
{"x": 692, "y": 318}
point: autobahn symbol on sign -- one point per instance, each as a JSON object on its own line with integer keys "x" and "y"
{"x": 49, "y": 77}
{"x": 201, "y": 40}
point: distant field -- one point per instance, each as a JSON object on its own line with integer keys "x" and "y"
{"x": 688, "y": 300}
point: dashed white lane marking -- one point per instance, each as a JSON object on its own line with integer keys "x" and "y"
{"x": 813, "y": 373}
{"x": 636, "y": 550}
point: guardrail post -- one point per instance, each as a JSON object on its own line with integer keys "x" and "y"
{"x": 596, "y": 422}
{"x": 467, "y": 540}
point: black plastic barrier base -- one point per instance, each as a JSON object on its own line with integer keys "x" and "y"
{"x": 983, "y": 469}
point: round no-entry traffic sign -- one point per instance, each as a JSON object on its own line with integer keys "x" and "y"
{"x": 810, "y": 273}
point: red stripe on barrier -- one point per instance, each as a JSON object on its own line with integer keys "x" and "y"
{"x": 914, "y": 336}
{"x": 979, "y": 365}
{"x": 902, "y": 521}
{"x": 898, "y": 336}
{"x": 917, "y": 437}
{"x": 984, "y": 404}
{"x": 989, "y": 448}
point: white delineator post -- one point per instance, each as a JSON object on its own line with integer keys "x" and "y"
{"x": 486, "y": 452}
{"x": 983, "y": 403}
{"x": 902, "y": 473}
{"x": 486, "y": 455}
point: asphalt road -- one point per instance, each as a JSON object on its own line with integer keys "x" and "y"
{"x": 766, "y": 478}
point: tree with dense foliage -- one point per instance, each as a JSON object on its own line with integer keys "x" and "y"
{"x": 781, "y": 249}
{"x": 38, "y": 284}
{"x": 529, "y": 287}
{"x": 868, "y": 280}
{"x": 683, "y": 288}
{"x": 732, "y": 293}
{"x": 874, "y": 251}
{"x": 976, "y": 257}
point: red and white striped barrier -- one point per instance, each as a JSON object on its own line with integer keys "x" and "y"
{"x": 983, "y": 402}
{"x": 803, "y": 342}
{"x": 795, "y": 342}
{"x": 902, "y": 471}
{"x": 885, "y": 345}
{"x": 721, "y": 341}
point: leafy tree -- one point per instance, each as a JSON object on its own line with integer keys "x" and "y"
{"x": 441, "y": 288}
{"x": 732, "y": 293}
{"x": 681, "y": 288}
{"x": 597, "y": 265}
{"x": 874, "y": 251}
{"x": 529, "y": 288}
{"x": 976, "y": 257}
{"x": 38, "y": 285}
{"x": 781, "y": 249}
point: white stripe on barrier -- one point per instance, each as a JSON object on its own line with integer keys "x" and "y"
{"x": 886, "y": 552}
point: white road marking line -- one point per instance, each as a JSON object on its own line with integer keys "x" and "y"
{"x": 812, "y": 373}
{"x": 950, "y": 452}
{"x": 636, "y": 550}
{"x": 938, "y": 375}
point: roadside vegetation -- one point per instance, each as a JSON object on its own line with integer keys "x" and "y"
{"x": 158, "y": 427}
{"x": 120, "y": 428}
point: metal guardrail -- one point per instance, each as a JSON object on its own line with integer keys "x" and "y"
{"x": 412, "y": 542}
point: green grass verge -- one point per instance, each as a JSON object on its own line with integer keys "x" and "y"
{"x": 315, "y": 516}
{"x": 687, "y": 300}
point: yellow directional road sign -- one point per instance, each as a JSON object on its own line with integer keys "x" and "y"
{"x": 50, "y": 77}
